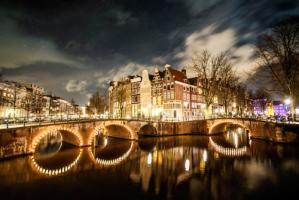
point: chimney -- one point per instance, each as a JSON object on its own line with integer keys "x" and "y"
{"x": 184, "y": 71}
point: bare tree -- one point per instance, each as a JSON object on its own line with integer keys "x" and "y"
{"x": 210, "y": 71}
{"x": 262, "y": 97}
{"x": 278, "y": 51}
{"x": 228, "y": 83}
{"x": 28, "y": 103}
{"x": 121, "y": 95}
{"x": 96, "y": 103}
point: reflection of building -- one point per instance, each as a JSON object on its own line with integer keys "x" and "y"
{"x": 164, "y": 169}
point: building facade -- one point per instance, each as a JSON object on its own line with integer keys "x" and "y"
{"x": 169, "y": 95}
{"x": 21, "y": 100}
{"x": 135, "y": 97}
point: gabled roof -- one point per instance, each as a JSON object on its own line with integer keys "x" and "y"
{"x": 178, "y": 75}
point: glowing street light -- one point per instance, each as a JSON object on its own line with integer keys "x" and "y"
{"x": 205, "y": 155}
{"x": 149, "y": 159}
{"x": 287, "y": 101}
{"x": 187, "y": 165}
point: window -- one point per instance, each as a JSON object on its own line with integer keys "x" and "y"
{"x": 159, "y": 101}
{"x": 172, "y": 94}
{"x": 168, "y": 87}
{"x": 171, "y": 86}
{"x": 199, "y": 91}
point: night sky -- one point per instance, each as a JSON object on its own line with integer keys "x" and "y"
{"x": 71, "y": 48}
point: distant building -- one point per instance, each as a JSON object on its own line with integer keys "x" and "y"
{"x": 58, "y": 107}
{"x": 135, "y": 97}
{"x": 145, "y": 95}
{"x": 19, "y": 100}
{"x": 279, "y": 108}
{"x": 167, "y": 95}
{"x": 157, "y": 94}
{"x": 267, "y": 107}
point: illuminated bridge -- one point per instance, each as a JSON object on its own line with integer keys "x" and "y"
{"x": 22, "y": 140}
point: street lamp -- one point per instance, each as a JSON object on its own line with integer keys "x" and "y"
{"x": 287, "y": 101}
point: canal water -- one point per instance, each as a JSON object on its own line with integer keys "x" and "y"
{"x": 226, "y": 166}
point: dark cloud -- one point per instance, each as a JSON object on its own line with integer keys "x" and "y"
{"x": 135, "y": 29}
{"x": 95, "y": 38}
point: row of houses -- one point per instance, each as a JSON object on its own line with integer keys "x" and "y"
{"x": 28, "y": 100}
{"x": 168, "y": 95}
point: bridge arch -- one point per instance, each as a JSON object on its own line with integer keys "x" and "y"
{"x": 118, "y": 130}
{"x": 147, "y": 129}
{"x": 218, "y": 124}
{"x": 68, "y": 135}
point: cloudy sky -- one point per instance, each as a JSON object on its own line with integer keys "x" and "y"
{"x": 72, "y": 48}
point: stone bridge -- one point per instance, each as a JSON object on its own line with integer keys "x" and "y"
{"x": 256, "y": 128}
{"x": 24, "y": 140}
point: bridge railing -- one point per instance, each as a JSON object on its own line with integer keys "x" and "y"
{"x": 6, "y": 123}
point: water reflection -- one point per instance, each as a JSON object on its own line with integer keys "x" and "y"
{"x": 185, "y": 167}
{"x": 58, "y": 164}
{"x": 50, "y": 144}
{"x": 236, "y": 136}
{"x": 111, "y": 152}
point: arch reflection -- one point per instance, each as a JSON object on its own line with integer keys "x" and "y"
{"x": 233, "y": 143}
{"x": 112, "y": 152}
{"x": 49, "y": 144}
{"x": 57, "y": 164}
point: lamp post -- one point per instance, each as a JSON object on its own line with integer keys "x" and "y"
{"x": 287, "y": 102}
